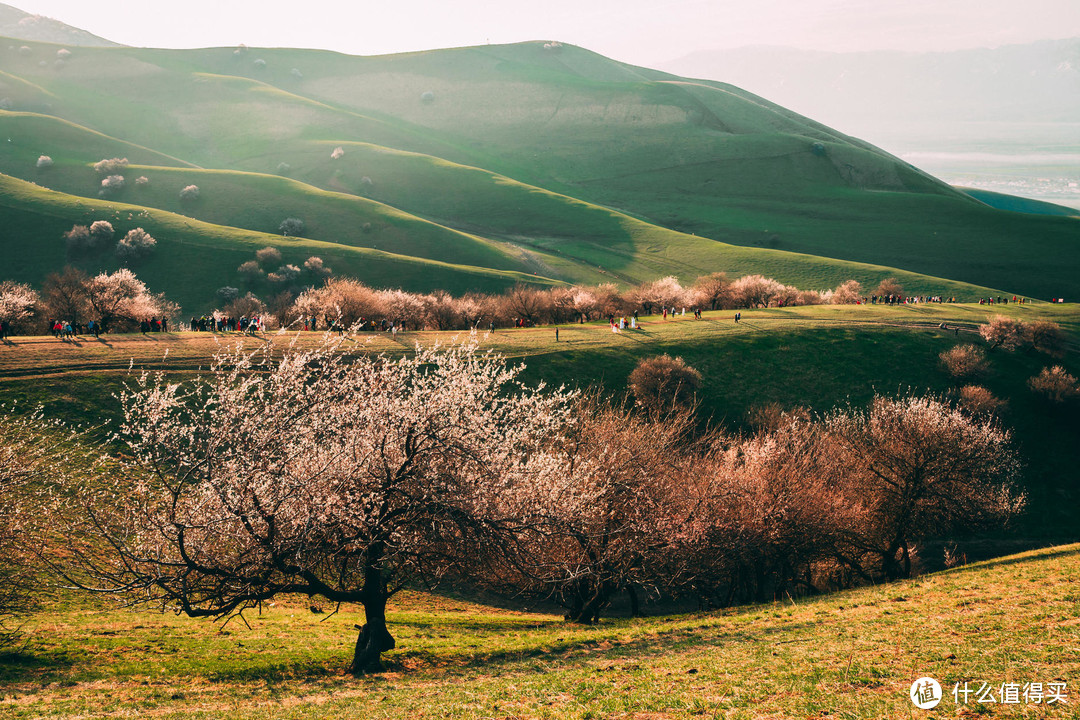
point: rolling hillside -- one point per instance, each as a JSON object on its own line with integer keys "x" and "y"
{"x": 535, "y": 162}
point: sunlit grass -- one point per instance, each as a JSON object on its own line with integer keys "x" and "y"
{"x": 852, "y": 654}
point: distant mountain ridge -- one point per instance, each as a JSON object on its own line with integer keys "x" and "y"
{"x": 1037, "y": 81}
{"x": 20, "y": 25}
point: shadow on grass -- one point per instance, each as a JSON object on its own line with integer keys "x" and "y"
{"x": 283, "y": 672}
{"x": 478, "y": 625}
{"x": 604, "y": 647}
{"x": 25, "y": 665}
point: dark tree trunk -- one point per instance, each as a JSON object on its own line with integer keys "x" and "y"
{"x": 893, "y": 567}
{"x": 374, "y": 639}
{"x": 587, "y": 605}
{"x": 635, "y": 604}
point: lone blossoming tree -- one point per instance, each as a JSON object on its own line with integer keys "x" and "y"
{"x": 322, "y": 474}
{"x": 916, "y": 467}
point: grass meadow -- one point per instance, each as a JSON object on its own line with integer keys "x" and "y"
{"x": 852, "y": 654}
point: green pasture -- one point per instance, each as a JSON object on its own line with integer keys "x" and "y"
{"x": 852, "y": 654}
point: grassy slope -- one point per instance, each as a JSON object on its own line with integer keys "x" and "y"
{"x": 542, "y": 232}
{"x": 853, "y": 654}
{"x": 729, "y": 165}
{"x": 194, "y": 258}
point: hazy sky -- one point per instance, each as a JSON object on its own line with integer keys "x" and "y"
{"x": 638, "y": 31}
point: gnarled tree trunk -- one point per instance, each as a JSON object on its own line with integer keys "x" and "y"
{"x": 374, "y": 638}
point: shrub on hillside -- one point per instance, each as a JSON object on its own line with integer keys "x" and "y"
{"x": 338, "y": 153}
{"x": 112, "y": 184}
{"x": 964, "y": 362}
{"x": 110, "y": 166}
{"x": 663, "y": 384}
{"x": 78, "y": 239}
{"x": 44, "y": 161}
{"x": 1055, "y": 385}
{"x": 102, "y": 232}
{"x": 63, "y": 54}
{"x": 889, "y": 286}
{"x": 284, "y": 274}
{"x": 142, "y": 181}
{"x": 190, "y": 193}
{"x": 1003, "y": 332}
{"x": 228, "y": 294}
{"x": 259, "y": 63}
{"x": 291, "y": 227}
{"x": 136, "y": 245}
{"x": 1045, "y": 336}
{"x": 427, "y": 96}
{"x": 268, "y": 255}
{"x": 977, "y": 400}
{"x": 773, "y": 416}
{"x": 284, "y": 168}
{"x": 847, "y": 293}
{"x": 18, "y": 302}
{"x": 317, "y": 268}
{"x": 251, "y": 270}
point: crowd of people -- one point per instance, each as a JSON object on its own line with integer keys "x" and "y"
{"x": 68, "y": 330}
{"x": 909, "y": 300}
{"x": 154, "y": 325}
{"x": 999, "y": 300}
{"x": 223, "y": 323}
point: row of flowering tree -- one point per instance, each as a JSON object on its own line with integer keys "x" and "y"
{"x": 349, "y": 476}
{"x": 346, "y": 300}
{"x": 118, "y": 301}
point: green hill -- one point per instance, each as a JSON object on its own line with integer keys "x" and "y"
{"x": 546, "y": 160}
{"x": 529, "y": 230}
{"x": 194, "y": 257}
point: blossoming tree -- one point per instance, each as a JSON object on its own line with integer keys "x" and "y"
{"x": 319, "y": 473}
